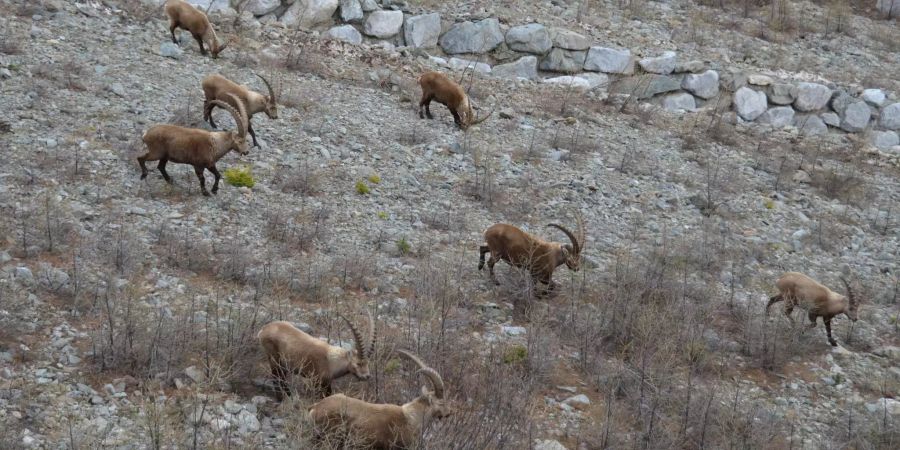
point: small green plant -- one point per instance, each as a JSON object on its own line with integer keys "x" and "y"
{"x": 515, "y": 354}
{"x": 362, "y": 188}
{"x": 374, "y": 178}
{"x": 239, "y": 176}
{"x": 382, "y": 215}
{"x": 770, "y": 204}
{"x": 403, "y": 246}
{"x": 391, "y": 366}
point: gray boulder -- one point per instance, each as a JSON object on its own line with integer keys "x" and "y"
{"x": 472, "y": 37}
{"x": 782, "y": 93}
{"x": 874, "y": 97}
{"x": 548, "y": 444}
{"x": 346, "y": 33}
{"x": 885, "y": 140}
{"x": 679, "y": 102}
{"x": 663, "y": 64}
{"x": 261, "y": 7}
{"x": 423, "y": 30}
{"x": 559, "y": 60}
{"x": 465, "y": 64}
{"x": 840, "y": 100}
{"x": 749, "y": 103}
{"x": 524, "y": 67}
{"x": 383, "y": 24}
{"x": 569, "y": 81}
{"x": 831, "y": 119}
{"x": 170, "y": 50}
{"x": 704, "y": 85}
{"x": 689, "y": 66}
{"x": 309, "y": 13}
{"x": 647, "y": 85}
{"x": 367, "y": 5}
{"x": 217, "y": 5}
{"x": 890, "y": 117}
{"x": 351, "y": 11}
{"x": 595, "y": 79}
{"x": 856, "y": 117}
{"x": 778, "y": 117}
{"x": 569, "y": 40}
{"x": 811, "y": 96}
{"x": 811, "y": 125}
{"x": 609, "y": 60}
{"x": 531, "y": 38}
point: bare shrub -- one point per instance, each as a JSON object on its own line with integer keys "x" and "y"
{"x": 68, "y": 74}
{"x": 305, "y": 180}
{"x": 845, "y": 185}
{"x": 300, "y": 231}
{"x": 11, "y": 44}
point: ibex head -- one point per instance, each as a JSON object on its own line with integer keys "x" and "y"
{"x": 467, "y": 116}
{"x": 572, "y": 252}
{"x": 434, "y": 399}
{"x": 852, "y": 308}
{"x": 358, "y": 360}
{"x": 271, "y": 107}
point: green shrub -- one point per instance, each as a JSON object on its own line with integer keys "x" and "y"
{"x": 374, "y": 179}
{"x": 515, "y": 354}
{"x": 391, "y": 366}
{"x": 383, "y": 215}
{"x": 239, "y": 176}
{"x": 362, "y": 188}
{"x": 403, "y": 246}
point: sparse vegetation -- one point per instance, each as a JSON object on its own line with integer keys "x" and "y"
{"x": 362, "y": 188}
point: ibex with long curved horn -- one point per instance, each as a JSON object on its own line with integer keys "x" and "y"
{"x": 199, "y": 148}
{"x": 291, "y": 351}
{"x": 797, "y": 289}
{"x": 183, "y": 15}
{"x": 382, "y": 426}
{"x": 438, "y": 87}
{"x": 524, "y": 250}
{"x": 217, "y": 87}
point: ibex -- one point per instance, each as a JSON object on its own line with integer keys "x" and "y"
{"x": 520, "y": 249}
{"x": 183, "y": 15}
{"x": 382, "y": 426}
{"x": 199, "y": 148}
{"x": 796, "y": 289}
{"x": 438, "y": 87}
{"x": 217, "y": 87}
{"x": 291, "y": 351}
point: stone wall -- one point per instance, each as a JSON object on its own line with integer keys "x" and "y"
{"x": 553, "y": 55}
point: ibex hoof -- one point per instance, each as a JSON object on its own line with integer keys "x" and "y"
{"x": 205, "y": 193}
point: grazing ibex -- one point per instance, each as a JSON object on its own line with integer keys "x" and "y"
{"x": 183, "y": 15}
{"x": 382, "y": 426}
{"x": 438, "y": 87}
{"x": 199, "y": 148}
{"x": 520, "y": 249}
{"x": 291, "y": 351}
{"x": 217, "y": 87}
{"x": 796, "y": 289}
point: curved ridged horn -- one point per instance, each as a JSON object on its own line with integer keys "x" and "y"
{"x": 849, "y": 291}
{"x": 268, "y": 86}
{"x": 575, "y": 245}
{"x": 477, "y": 121}
{"x": 244, "y": 122}
{"x": 357, "y": 338}
{"x": 436, "y": 381}
{"x": 238, "y": 118}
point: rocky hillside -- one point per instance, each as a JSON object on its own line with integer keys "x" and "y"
{"x": 129, "y": 308}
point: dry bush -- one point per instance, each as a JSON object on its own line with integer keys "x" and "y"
{"x": 11, "y": 44}
{"x": 299, "y": 231}
{"x": 68, "y": 74}
{"x": 182, "y": 247}
{"x": 189, "y": 114}
{"x": 845, "y": 185}
{"x": 145, "y": 341}
{"x": 306, "y": 180}
{"x": 140, "y": 11}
